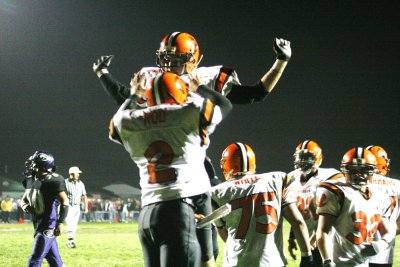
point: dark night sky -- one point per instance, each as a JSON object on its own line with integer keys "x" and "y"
{"x": 340, "y": 88}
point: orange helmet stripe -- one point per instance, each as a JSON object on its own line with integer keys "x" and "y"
{"x": 171, "y": 39}
{"x": 244, "y": 159}
{"x": 304, "y": 144}
{"x": 157, "y": 91}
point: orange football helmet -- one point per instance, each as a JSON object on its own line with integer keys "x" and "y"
{"x": 308, "y": 155}
{"x": 382, "y": 159}
{"x": 176, "y": 50}
{"x": 238, "y": 159}
{"x": 358, "y": 165}
{"x": 167, "y": 88}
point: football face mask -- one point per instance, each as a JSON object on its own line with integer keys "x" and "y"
{"x": 304, "y": 161}
{"x": 174, "y": 62}
{"x": 358, "y": 176}
{"x": 358, "y": 165}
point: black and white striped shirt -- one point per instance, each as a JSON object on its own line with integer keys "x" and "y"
{"x": 75, "y": 191}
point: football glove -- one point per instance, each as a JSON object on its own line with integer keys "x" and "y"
{"x": 328, "y": 263}
{"x": 292, "y": 246}
{"x": 102, "y": 64}
{"x": 282, "y": 49}
{"x": 307, "y": 261}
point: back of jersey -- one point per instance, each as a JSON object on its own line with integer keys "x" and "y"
{"x": 168, "y": 144}
{"x": 256, "y": 202}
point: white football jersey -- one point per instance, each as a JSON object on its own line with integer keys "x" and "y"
{"x": 391, "y": 187}
{"x": 305, "y": 193}
{"x": 357, "y": 218}
{"x": 218, "y": 78}
{"x": 256, "y": 202}
{"x": 168, "y": 143}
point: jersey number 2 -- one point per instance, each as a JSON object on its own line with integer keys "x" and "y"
{"x": 158, "y": 153}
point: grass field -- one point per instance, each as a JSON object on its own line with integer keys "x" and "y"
{"x": 98, "y": 245}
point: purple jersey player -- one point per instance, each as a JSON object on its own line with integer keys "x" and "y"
{"x": 44, "y": 192}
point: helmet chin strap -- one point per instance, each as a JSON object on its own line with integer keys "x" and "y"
{"x": 359, "y": 187}
{"x": 194, "y": 67}
{"x": 308, "y": 174}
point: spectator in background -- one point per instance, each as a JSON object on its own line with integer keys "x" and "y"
{"x": 20, "y": 212}
{"x": 99, "y": 214}
{"x": 89, "y": 213}
{"x": 93, "y": 210}
{"x": 110, "y": 209}
{"x": 6, "y": 207}
{"x": 130, "y": 206}
{"x": 120, "y": 207}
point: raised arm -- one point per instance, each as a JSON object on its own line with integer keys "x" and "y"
{"x": 118, "y": 91}
{"x": 247, "y": 94}
{"x": 283, "y": 54}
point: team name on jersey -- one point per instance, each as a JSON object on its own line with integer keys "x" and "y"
{"x": 154, "y": 117}
{"x": 303, "y": 190}
{"x": 247, "y": 180}
{"x": 383, "y": 182}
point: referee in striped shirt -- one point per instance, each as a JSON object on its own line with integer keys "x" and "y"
{"x": 76, "y": 192}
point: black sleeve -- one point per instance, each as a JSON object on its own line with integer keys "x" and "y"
{"x": 291, "y": 234}
{"x": 115, "y": 89}
{"x": 211, "y": 172}
{"x": 247, "y": 94}
{"x": 63, "y": 213}
{"x": 215, "y": 97}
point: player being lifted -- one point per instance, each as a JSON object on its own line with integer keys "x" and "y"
{"x": 391, "y": 187}
{"x": 258, "y": 201}
{"x": 356, "y": 210}
{"x": 307, "y": 174}
{"x": 179, "y": 53}
{"x": 168, "y": 142}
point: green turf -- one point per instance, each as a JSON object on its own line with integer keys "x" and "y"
{"x": 98, "y": 245}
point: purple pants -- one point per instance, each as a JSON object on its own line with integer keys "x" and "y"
{"x": 45, "y": 247}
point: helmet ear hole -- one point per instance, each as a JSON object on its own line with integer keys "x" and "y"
{"x": 383, "y": 161}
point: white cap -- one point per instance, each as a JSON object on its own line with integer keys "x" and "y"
{"x": 74, "y": 169}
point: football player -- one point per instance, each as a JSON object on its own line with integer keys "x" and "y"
{"x": 179, "y": 52}
{"x": 44, "y": 192}
{"x": 355, "y": 210}
{"x": 391, "y": 187}
{"x": 258, "y": 201}
{"x": 307, "y": 174}
{"x": 168, "y": 142}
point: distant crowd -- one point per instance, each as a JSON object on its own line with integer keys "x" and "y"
{"x": 99, "y": 210}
